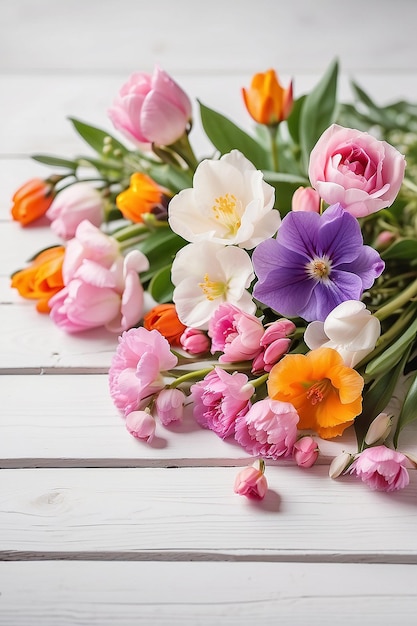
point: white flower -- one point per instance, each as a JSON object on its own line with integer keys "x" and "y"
{"x": 207, "y": 274}
{"x": 349, "y": 328}
{"x": 230, "y": 203}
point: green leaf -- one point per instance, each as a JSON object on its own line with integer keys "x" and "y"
{"x": 401, "y": 249}
{"x": 392, "y": 355}
{"x": 409, "y": 409}
{"x": 285, "y": 186}
{"x": 160, "y": 247}
{"x": 161, "y": 287}
{"x": 293, "y": 121}
{"x": 226, "y": 136}
{"x": 46, "y": 159}
{"x": 376, "y": 398}
{"x": 318, "y": 111}
{"x": 96, "y": 138}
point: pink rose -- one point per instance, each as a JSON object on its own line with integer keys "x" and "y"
{"x": 219, "y": 399}
{"x": 72, "y": 205}
{"x": 353, "y": 168}
{"x": 137, "y": 367}
{"x": 305, "y": 199}
{"x": 381, "y": 468}
{"x": 235, "y": 333}
{"x": 97, "y": 296}
{"x": 305, "y": 452}
{"x": 89, "y": 243}
{"x": 251, "y": 482}
{"x": 268, "y": 429}
{"x": 151, "y": 109}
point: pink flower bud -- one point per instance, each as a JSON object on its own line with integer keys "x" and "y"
{"x": 195, "y": 341}
{"x": 141, "y": 425}
{"x": 305, "y": 451}
{"x": 306, "y": 199}
{"x": 251, "y": 482}
{"x": 170, "y": 405}
{"x": 72, "y": 205}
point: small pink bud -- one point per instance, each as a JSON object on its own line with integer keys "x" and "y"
{"x": 339, "y": 464}
{"x": 195, "y": 341}
{"x": 306, "y": 199}
{"x": 378, "y": 430}
{"x": 170, "y": 405}
{"x": 251, "y": 482}
{"x": 305, "y": 451}
{"x": 141, "y": 425}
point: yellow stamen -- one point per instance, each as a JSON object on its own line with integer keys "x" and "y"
{"x": 212, "y": 289}
{"x": 227, "y": 211}
{"x": 319, "y": 268}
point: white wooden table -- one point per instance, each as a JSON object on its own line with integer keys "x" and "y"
{"x": 96, "y": 527}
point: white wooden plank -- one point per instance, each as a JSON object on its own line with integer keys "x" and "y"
{"x": 192, "y": 513}
{"x": 218, "y": 37}
{"x": 173, "y": 594}
{"x": 71, "y": 421}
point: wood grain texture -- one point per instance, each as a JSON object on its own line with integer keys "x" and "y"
{"x": 202, "y": 594}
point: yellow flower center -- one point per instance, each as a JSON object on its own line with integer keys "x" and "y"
{"x": 227, "y": 211}
{"x": 319, "y": 269}
{"x": 318, "y": 391}
{"x": 212, "y": 289}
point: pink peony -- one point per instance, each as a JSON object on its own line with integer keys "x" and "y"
{"x": 274, "y": 344}
{"x": 381, "y": 468}
{"x": 219, "y": 399}
{"x": 89, "y": 243}
{"x": 136, "y": 370}
{"x": 354, "y": 169}
{"x": 141, "y": 425}
{"x": 72, "y": 205}
{"x": 251, "y": 482}
{"x": 97, "y": 296}
{"x": 169, "y": 405}
{"x": 305, "y": 451}
{"x": 305, "y": 199}
{"x": 268, "y": 429}
{"x": 151, "y": 109}
{"x": 195, "y": 341}
{"x": 235, "y": 333}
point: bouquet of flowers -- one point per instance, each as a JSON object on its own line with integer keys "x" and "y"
{"x": 270, "y": 286}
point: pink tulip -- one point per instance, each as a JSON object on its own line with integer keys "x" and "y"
{"x": 195, "y": 341}
{"x": 72, "y": 205}
{"x": 136, "y": 370}
{"x": 251, "y": 482}
{"x": 151, "y": 109}
{"x": 235, "y": 333}
{"x": 97, "y": 296}
{"x": 305, "y": 452}
{"x": 268, "y": 429}
{"x": 274, "y": 344}
{"x": 89, "y": 243}
{"x": 141, "y": 425}
{"x": 381, "y": 468}
{"x": 306, "y": 199}
{"x": 353, "y": 168}
{"x": 169, "y": 405}
{"x": 219, "y": 399}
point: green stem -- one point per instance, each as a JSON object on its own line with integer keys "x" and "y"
{"x": 191, "y": 376}
{"x": 259, "y": 381}
{"x": 274, "y": 147}
{"x": 130, "y": 232}
{"x": 396, "y": 303}
{"x": 183, "y": 148}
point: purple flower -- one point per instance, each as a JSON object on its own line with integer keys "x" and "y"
{"x": 315, "y": 263}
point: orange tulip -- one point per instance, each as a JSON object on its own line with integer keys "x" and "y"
{"x": 31, "y": 201}
{"x": 163, "y": 317}
{"x": 141, "y": 197}
{"x": 266, "y": 100}
{"x": 42, "y": 279}
{"x": 326, "y": 393}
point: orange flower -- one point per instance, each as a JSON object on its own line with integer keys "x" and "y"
{"x": 326, "y": 393}
{"x": 31, "y": 201}
{"x": 266, "y": 100}
{"x": 42, "y": 279}
{"x": 163, "y": 317}
{"x": 141, "y": 197}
